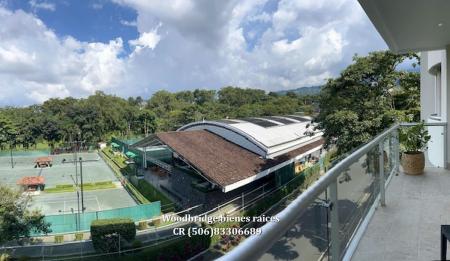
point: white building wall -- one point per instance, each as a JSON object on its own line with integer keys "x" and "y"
{"x": 433, "y": 100}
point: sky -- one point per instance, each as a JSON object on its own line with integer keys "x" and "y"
{"x": 60, "y": 48}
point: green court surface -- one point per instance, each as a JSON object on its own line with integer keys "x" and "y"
{"x": 98, "y": 200}
{"x": 95, "y": 170}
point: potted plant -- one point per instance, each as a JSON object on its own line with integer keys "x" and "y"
{"x": 413, "y": 141}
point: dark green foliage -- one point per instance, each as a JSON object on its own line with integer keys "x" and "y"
{"x": 16, "y": 221}
{"x": 101, "y": 116}
{"x": 106, "y": 234}
{"x": 414, "y": 139}
{"x": 362, "y": 101}
{"x": 152, "y": 195}
{"x": 302, "y": 91}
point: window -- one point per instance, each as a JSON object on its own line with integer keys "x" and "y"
{"x": 437, "y": 93}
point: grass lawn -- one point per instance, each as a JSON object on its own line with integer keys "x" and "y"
{"x": 152, "y": 194}
{"x": 86, "y": 187}
{"x": 117, "y": 159}
{"x": 118, "y": 171}
{"x": 144, "y": 192}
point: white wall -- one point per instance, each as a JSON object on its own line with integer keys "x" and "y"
{"x": 432, "y": 63}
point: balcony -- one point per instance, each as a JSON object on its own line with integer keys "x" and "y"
{"x": 363, "y": 208}
{"x": 408, "y": 227}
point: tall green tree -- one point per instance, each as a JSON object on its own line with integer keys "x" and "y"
{"x": 359, "y": 103}
{"x": 7, "y": 132}
{"x": 51, "y": 131}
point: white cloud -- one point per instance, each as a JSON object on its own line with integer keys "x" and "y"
{"x": 36, "y": 4}
{"x": 146, "y": 40}
{"x": 187, "y": 44}
{"x": 128, "y": 23}
{"x": 303, "y": 43}
{"x": 35, "y": 62}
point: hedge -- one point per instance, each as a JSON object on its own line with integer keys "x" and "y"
{"x": 127, "y": 185}
{"x": 105, "y": 233}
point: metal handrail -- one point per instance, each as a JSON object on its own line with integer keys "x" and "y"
{"x": 255, "y": 246}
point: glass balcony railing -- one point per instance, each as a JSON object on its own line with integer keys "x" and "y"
{"x": 327, "y": 220}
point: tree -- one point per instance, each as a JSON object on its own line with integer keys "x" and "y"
{"x": 147, "y": 121}
{"x": 16, "y": 221}
{"x": 162, "y": 102}
{"x": 203, "y": 96}
{"x": 51, "y": 131}
{"x": 358, "y": 104}
{"x": 7, "y": 131}
{"x": 237, "y": 97}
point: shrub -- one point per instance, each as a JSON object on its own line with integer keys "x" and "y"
{"x": 107, "y": 233}
{"x": 59, "y": 239}
{"x": 142, "y": 225}
{"x": 79, "y": 236}
{"x": 157, "y": 222}
{"x": 136, "y": 244}
{"x": 4, "y": 257}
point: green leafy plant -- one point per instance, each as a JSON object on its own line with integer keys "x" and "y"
{"x": 142, "y": 225}
{"x": 107, "y": 233}
{"x": 136, "y": 244}
{"x": 414, "y": 139}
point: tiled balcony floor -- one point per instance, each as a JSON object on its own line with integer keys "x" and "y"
{"x": 408, "y": 228}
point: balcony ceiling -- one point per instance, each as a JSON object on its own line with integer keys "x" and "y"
{"x": 411, "y": 25}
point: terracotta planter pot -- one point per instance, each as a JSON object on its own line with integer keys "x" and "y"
{"x": 413, "y": 163}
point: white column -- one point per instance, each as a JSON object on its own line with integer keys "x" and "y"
{"x": 426, "y": 88}
{"x": 445, "y": 71}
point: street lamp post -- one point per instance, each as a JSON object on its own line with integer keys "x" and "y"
{"x": 78, "y": 185}
{"x": 11, "y": 137}
{"x": 11, "y": 154}
{"x": 81, "y": 177}
{"x": 78, "y": 219}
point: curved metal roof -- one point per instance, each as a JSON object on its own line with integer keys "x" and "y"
{"x": 267, "y": 136}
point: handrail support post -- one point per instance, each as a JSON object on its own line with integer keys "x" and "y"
{"x": 381, "y": 172}
{"x": 334, "y": 218}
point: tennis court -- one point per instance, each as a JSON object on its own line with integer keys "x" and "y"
{"x": 97, "y": 200}
{"x": 94, "y": 170}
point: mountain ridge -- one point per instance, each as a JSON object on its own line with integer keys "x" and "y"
{"x": 307, "y": 90}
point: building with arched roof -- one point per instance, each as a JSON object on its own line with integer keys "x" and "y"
{"x": 232, "y": 153}
{"x": 268, "y": 137}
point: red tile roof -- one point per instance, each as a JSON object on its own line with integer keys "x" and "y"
{"x": 29, "y": 181}
{"x": 219, "y": 160}
{"x": 43, "y": 160}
